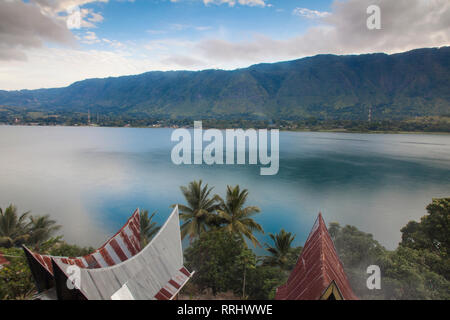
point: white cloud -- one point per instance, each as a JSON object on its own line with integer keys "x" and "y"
{"x": 310, "y": 14}
{"x": 56, "y": 67}
{"x": 182, "y": 61}
{"x": 179, "y": 26}
{"x": 91, "y": 16}
{"x": 24, "y": 26}
{"x": 169, "y": 45}
{"x": 90, "y": 38}
{"x": 406, "y": 24}
{"x": 60, "y": 9}
{"x": 114, "y": 43}
{"x": 232, "y": 3}
{"x": 58, "y": 6}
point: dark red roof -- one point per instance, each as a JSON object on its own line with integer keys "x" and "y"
{"x": 317, "y": 267}
{"x": 3, "y": 259}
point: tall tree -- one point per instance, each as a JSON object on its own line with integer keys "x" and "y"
{"x": 281, "y": 252}
{"x": 247, "y": 261}
{"x": 198, "y": 212}
{"x": 42, "y": 228}
{"x": 148, "y": 228}
{"x": 432, "y": 234}
{"x": 433, "y": 230}
{"x": 237, "y": 219}
{"x": 13, "y": 228}
{"x": 216, "y": 257}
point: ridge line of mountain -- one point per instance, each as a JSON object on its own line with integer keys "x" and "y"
{"x": 343, "y": 87}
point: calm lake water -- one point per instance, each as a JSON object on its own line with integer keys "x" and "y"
{"x": 91, "y": 179}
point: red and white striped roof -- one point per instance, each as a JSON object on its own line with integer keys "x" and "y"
{"x": 157, "y": 272}
{"x": 123, "y": 245}
{"x": 171, "y": 289}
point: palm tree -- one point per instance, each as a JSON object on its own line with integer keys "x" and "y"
{"x": 237, "y": 218}
{"x": 198, "y": 212}
{"x": 42, "y": 228}
{"x": 13, "y": 228}
{"x": 281, "y": 252}
{"x": 148, "y": 228}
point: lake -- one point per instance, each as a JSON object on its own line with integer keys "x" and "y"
{"x": 91, "y": 179}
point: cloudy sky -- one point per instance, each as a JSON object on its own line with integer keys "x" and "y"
{"x": 52, "y": 43}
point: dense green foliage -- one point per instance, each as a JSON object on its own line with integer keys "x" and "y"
{"x": 326, "y": 87}
{"x": 16, "y": 281}
{"x": 219, "y": 254}
{"x": 41, "y": 229}
{"x": 13, "y": 227}
{"x": 17, "y": 229}
{"x": 21, "y": 116}
{"x": 432, "y": 232}
{"x": 223, "y": 263}
{"x": 417, "y": 269}
{"x": 64, "y": 249}
{"x": 214, "y": 257}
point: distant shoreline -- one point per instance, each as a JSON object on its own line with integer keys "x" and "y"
{"x": 337, "y": 130}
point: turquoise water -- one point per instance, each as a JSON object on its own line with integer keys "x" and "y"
{"x": 91, "y": 179}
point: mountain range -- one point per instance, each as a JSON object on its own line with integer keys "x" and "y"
{"x": 397, "y": 86}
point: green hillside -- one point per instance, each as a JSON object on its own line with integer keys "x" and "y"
{"x": 328, "y": 87}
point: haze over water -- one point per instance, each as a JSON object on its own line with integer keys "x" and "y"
{"x": 91, "y": 179}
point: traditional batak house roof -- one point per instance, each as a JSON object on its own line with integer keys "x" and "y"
{"x": 120, "y": 247}
{"x": 319, "y": 273}
{"x": 155, "y": 272}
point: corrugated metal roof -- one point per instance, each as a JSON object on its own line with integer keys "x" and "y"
{"x": 120, "y": 247}
{"x": 157, "y": 272}
{"x": 318, "y": 268}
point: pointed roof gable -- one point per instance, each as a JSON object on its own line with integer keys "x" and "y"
{"x": 120, "y": 247}
{"x": 319, "y": 271}
{"x": 157, "y": 272}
